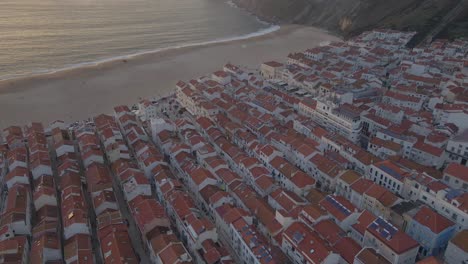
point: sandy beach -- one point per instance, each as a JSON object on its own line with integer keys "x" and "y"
{"x": 84, "y": 92}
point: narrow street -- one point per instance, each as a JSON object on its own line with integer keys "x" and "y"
{"x": 133, "y": 231}
{"x": 91, "y": 214}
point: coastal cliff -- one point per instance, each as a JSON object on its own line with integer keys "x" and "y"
{"x": 350, "y": 17}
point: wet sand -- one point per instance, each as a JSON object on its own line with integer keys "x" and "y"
{"x": 80, "y": 93}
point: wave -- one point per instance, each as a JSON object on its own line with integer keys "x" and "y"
{"x": 270, "y": 29}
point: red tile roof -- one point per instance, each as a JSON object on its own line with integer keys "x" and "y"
{"x": 98, "y": 177}
{"x": 117, "y": 248}
{"x": 363, "y": 221}
{"x": 148, "y": 214}
{"x": 273, "y": 64}
{"x": 384, "y": 196}
{"x": 12, "y": 249}
{"x": 433, "y": 220}
{"x": 362, "y": 185}
{"x": 458, "y": 171}
{"x": 434, "y": 151}
{"x": 369, "y": 255}
{"x": 329, "y": 231}
{"x": 338, "y": 206}
{"x": 348, "y": 249}
{"x": 314, "y": 249}
{"x": 392, "y": 237}
{"x": 461, "y": 240}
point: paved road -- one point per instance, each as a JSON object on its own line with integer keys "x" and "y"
{"x": 133, "y": 231}
{"x": 91, "y": 214}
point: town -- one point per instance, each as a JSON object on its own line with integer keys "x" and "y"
{"x": 351, "y": 152}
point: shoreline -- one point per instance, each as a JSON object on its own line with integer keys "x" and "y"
{"x": 78, "y": 93}
{"x": 38, "y": 73}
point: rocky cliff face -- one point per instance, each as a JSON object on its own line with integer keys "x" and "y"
{"x": 350, "y": 17}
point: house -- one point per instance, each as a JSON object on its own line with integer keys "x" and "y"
{"x": 63, "y": 147}
{"x": 150, "y": 215}
{"x": 40, "y": 164}
{"x": 116, "y": 248}
{"x": 13, "y": 136}
{"x": 104, "y": 200}
{"x": 221, "y": 77}
{"x": 310, "y": 214}
{"x": 427, "y": 155}
{"x": 14, "y": 250}
{"x": 46, "y": 248}
{"x": 341, "y": 210}
{"x": 44, "y": 193}
{"x": 457, "y": 148}
{"x": 252, "y": 247}
{"x": 329, "y": 231}
{"x": 75, "y": 216}
{"x": 147, "y": 110}
{"x": 136, "y": 184}
{"x": 47, "y": 214}
{"x": 236, "y": 71}
{"x": 344, "y": 182}
{"x": 68, "y": 166}
{"x": 358, "y": 229}
{"x": 348, "y": 249}
{"x": 78, "y": 249}
{"x": 379, "y": 200}
{"x": 92, "y": 155}
{"x": 302, "y": 245}
{"x": 98, "y": 178}
{"x": 369, "y": 255}
{"x": 19, "y": 175}
{"x": 389, "y": 175}
{"x": 167, "y": 249}
{"x": 17, "y": 211}
{"x": 432, "y": 230}
{"x": 457, "y": 249}
{"x": 343, "y": 119}
{"x": 17, "y": 158}
{"x": 392, "y": 243}
{"x": 384, "y": 148}
{"x": 402, "y": 100}
{"x": 285, "y": 200}
{"x": 456, "y": 176}
{"x": 271, "y": 70}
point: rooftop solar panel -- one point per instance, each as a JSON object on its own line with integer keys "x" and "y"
{"x": 390, "y": 171}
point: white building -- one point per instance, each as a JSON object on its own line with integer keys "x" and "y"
{"x": 392, "y": 243}
{"x": 457, "y": 249}
{"x": 389, "y": 175}
{"x": 343, "y": 119}
{"x": 457, "y": 148}
{"x": 456, "y": 176}
{"x": 271, "y": 70}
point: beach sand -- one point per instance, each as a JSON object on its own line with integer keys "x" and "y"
{"x": 80, "y": 93}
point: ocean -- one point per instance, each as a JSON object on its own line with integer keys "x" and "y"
{"x": 43, "y": 36}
